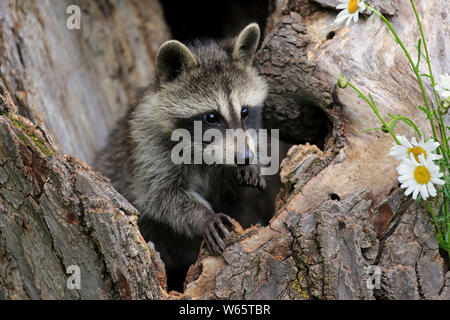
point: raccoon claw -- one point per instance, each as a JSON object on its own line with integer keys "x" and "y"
{"x": 213, "y": 240}
{"x": 250, "y": 177}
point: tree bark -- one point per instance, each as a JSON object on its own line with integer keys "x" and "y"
{"x": 76, "y": 83}
{"x": 340, "y": 210}
{"x": 55, "y": 212}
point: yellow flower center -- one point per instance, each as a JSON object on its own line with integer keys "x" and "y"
{"x": 353, "y": 6}
{"x": 422, "y": 175}
{"x": 417, "y": 151}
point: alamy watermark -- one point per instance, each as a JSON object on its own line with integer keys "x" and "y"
{"x": 373, "y": 277}
{"x": 74, "y": 280}
{"x": 232, "y": 147}
{"x": 73, "y": 22}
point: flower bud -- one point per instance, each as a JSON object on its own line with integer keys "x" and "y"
{"x": 342, "y": 82}
{"x": 443, "y": 108}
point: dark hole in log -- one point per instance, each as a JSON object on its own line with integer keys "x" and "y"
{"x": 213, "y": 19}
{"x": 330, "y": 35}
{"x": 334, "y": 196}
{"x": 311, "y": 126}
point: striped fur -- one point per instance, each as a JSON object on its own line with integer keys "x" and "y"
{"x": 178, "y": 202}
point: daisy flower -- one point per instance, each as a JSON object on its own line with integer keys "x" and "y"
{"x": 419, "y": 177}
{"x": 405, "y": 149}
{"x": 444, "y": 87}
{"x": 352, "y": 8}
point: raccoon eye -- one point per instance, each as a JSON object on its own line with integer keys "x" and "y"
{"x": 244, "y": 113}
{"x": 211, "y": 118}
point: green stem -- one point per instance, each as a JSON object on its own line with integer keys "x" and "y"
{"x": 413, "y": 66}
{"x": 445, "y": 145}
{"x": 375, "y": 110}
{"x": 434, "y": 219}
{"x": 447, "y": 221}
{"x": 409, "y": 122}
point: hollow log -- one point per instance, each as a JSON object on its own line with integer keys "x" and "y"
{"x": 339, "y": 213}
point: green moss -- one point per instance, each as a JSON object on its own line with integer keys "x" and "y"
{"x": 24, "y": 139}
{"x": 37, "y": 141}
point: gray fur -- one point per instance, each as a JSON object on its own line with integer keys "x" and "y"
{"x": 246, "y": 44}
{"x": 172, "y": 57}
{"x": 180, "y": 204}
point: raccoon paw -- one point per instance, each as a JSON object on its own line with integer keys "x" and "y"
{"x": 214, "y": 231}
{"x": 249, "y": 176}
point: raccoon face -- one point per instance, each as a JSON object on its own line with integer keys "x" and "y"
{"x": 214, "y": 94}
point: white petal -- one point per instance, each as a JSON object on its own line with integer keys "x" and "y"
{"x": 348, "y": 21}
{"x": 340, "y": 19}
{"x": 431, "y": 189}
{"x": 404, "y": 141}
{"x": 361, "y": 6}
{"x": 431, "y": 145}
{"x": 409, "y": 191}
{"x": 355, "y": 17}
{"x": 404, "y": 171}
{"x": 343, "y": 13}
{"x": 403, "y": 178}
{"x": 437, "y": 181}
{"x": 416, "y": 192}
{"x": 424, "y": 191}
{"x": 342, "y": 6}
{"x": 434, "y": 156}
{"x": 422, "y": 159}
{"x": 408, "y": 183}
{"x": 410, "y": 163}
{"x": 399, "y": 154}
{"x": 399, "y": 148}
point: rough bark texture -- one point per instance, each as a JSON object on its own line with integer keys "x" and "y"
{"x": 339, "y": 212}
{"x": 56, "y": 212}
{"x": 76, "y": 83}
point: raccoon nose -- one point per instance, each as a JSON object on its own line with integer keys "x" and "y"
{"x": 243, "y": 158}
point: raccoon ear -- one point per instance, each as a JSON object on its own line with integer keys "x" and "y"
{"x": 172, "y": 58}
{"x": 246, "y": 44}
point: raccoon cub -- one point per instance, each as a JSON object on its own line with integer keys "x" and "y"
{"x": 214, "y": 85}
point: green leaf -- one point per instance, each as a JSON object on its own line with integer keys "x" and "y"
{"x": 371, "y": 99}
{"x": 419, "y": 53}
{"x": 408, "y": 121}
{"x": 423, "y": 110}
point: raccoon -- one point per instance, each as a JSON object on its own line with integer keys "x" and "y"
{"x": 211, "y": 83}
